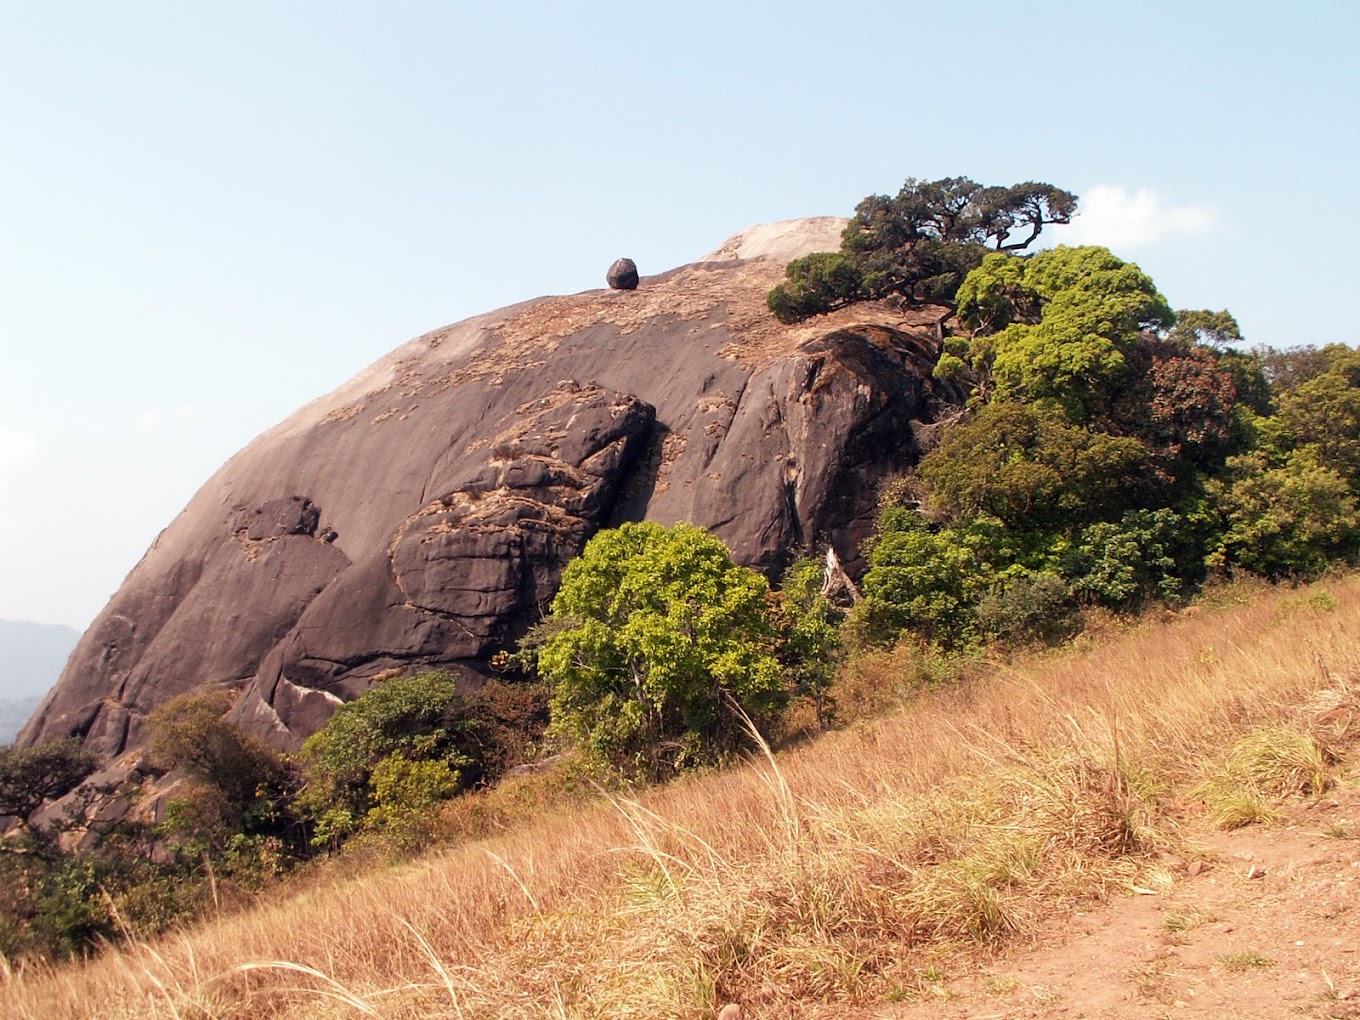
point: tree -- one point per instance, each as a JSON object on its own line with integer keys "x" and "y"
{"x": 920, "y": 244}
{"x": 1117, "y": 564}
{"x": 1247, "y": 369}
{"x": 1323, "y": 412}
{"x": 653, "y": 631}
{"x": 1026, "y": 606}
{"x": 1283, "y": 521}
{"x": 920, "y": 580}
{"x": 816, "y": 283}
{"x": 1030, "y": 206}
{"x": 1201, "y": 327}
{"x": 1286, "y": 369}
{"x": 31, "y": 776}
{"x": 1029, "y": 468}
{"x": 1180, "y": 400}
{"x": 235, "y": 806}
{"x": 1091, "y": 309}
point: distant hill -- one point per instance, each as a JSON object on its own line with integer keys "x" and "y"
{"x": 14, "y": 712}
{"x": 31, "y": 658}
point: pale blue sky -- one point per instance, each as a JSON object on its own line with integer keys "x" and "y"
{"x": 212, "y": 213}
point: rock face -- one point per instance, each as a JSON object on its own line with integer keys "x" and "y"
{"x": 421, "y": 514}
{"x": 622, "y": 275}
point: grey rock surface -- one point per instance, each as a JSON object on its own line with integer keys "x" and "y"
{"x": 421, "y": 514}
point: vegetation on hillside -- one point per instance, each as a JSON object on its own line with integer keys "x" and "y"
{"x": 1113, "y": 456}
{"x": 870, "y": 865}
{"x": 919, "y": 244}
{"x": 655, "y": 635}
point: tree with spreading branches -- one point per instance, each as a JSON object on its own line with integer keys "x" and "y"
{"x": 918, "y": 245}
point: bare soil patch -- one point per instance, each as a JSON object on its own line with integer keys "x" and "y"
{"x": 1260, "y": 922}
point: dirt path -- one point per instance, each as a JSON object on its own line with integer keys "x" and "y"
{"x": 1264, "y": 923}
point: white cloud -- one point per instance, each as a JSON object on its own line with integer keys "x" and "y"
{"x": 154, "y": 418}
{"x": 16, "y": 446}
{"x": 1114, "y": 216}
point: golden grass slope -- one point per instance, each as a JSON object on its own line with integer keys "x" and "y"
{"x": 846, "y": 871}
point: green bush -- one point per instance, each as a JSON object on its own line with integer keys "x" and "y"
{"x": 815, "y": 284}
{"x": 413, "y": 740}
{"x": 654, "y": 636}
{"x": 921, "y": 581}
{"x": 421, "y": 718}
{"x": 1120, "y": 564}
{"x": 1283, "y": 521}
{"x": 810, "y": 642}
{"x": 1028, "y": 606}
{"x": 1028, "y": 467}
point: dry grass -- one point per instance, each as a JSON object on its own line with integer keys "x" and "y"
{"x": 848, "y": 870}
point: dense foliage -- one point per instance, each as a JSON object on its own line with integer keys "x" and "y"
{"x": 408, "y": 743}
{"x": 656, "y": 644}
{"x": 919, "y": 244}
{"x": 31, "y": 775}
{"x": 234, "y": 784}
{"x": 1114, "y": 452}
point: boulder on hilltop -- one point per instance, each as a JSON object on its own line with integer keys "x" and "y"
{"x": 421, "y": 514}
{"x": 622, "y": 275}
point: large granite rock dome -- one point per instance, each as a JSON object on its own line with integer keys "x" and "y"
{"x": 421, "y": 514}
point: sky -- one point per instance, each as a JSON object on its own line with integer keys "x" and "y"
{"x": 212, "y": 213}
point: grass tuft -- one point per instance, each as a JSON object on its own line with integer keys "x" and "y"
{"x": 1269, "y": 763}
{"x": 1244, "y": 960}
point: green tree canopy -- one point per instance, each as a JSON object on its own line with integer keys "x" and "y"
{"x": 816, "y": 283}
{"x": 1286, "y": 520}
{"x": 1199, "y": 326}
{"x": 1028, "y": 467}
{"x": 1091, "y": 309}
{"x": 651, "y": 630}
{"x": 919, "y": 244}
{"x": 1323, "y": 412}
{"x": 29, "y": 776}
{"x": 921, "y": 580}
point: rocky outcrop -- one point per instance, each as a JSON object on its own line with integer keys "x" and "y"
{"x": 421, "y": 514}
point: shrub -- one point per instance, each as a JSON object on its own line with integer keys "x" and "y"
{"x": 190, "y": 733}
{"x": 422, "y": 718}
{"x": 1283, "y": 521}
{"x": 653, "y": 632}
{"x": 919, "y": 580}
{"x": 1028, "y": 606}
{"x": 403, "y": 790}
{"x": 235, "y": 785}
{"x": 1118, "y": 564}
{"x": 811, "y": 644}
